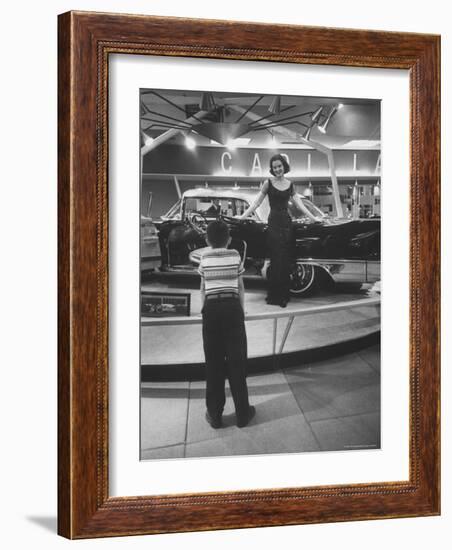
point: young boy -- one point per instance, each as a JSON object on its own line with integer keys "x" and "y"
{"x": 223, "y": 327}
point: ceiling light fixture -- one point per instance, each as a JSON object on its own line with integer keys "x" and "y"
{"x": 275, "y": 105}
{"x": 207, "y": 102}
{"x": 220, "y": 131}
{"x": 190, "y": 143}
{"x": 307, "y": 133}
{"x": 230, "y": 144}
{"x": 316, "y": 114}
{"x": 147, "y": 140}
{"x": 322, "y": 127}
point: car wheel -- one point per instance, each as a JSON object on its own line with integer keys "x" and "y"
{"x": 303, "y": 279}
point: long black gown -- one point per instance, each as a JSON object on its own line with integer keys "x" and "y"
{"x": 279, "y": 240}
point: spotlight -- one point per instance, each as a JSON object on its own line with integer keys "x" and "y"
{"x": 325, "y": 123}
{"x": 230, "y": 144}
{"x": 275, "y": 105}
{"x": 147, "y": 140}
{"x": 307, "y": 133}
{"x": 190, "y": 143}
{"x": 316, "y": 114}
{"x": 207, "y": 102}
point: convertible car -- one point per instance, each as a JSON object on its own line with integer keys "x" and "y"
{"x": 325, "y": 250}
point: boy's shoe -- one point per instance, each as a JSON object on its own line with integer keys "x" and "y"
{"x": 242, "y": 422}
{"x": 215, "y": 422}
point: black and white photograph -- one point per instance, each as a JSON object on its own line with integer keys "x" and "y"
{"x": 265, "y": 211}
{"x": 293, "y": 130}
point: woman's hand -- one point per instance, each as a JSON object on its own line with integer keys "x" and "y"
{"x": 257, "y": 201}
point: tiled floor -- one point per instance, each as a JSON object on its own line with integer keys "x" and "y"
{"x": 323, "y": 406}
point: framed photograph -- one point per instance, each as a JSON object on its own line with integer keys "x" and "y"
{"x": 194, "y": 173}
{"x": 257, "y": 203}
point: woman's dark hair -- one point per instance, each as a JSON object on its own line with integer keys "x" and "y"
{"x": 284, "y": 163}
{"x": 218, "y": 234}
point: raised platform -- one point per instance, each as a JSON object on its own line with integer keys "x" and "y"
{"x": 327, "y": 323}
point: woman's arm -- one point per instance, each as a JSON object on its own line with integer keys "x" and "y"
{"x": 299, "y": 204}
{"x": 257, "y": 201}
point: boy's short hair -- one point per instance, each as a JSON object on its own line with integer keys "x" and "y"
{"x": 218, "y": 234}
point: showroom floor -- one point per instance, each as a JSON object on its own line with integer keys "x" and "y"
{"x": 323, "y": 406}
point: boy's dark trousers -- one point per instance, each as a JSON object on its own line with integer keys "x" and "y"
{"x": 225, "y": 349}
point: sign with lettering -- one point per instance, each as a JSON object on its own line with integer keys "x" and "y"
{"x": 219, "y": 161}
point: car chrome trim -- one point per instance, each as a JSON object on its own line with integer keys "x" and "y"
{"x": 343, "y": 270}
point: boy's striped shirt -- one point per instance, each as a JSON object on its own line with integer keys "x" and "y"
{"x": 220, "y": 268}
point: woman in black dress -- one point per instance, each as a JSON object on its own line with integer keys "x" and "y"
{"x": 279, "y": 233}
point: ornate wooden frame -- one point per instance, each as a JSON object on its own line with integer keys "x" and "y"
{"x": 85, "y": 42}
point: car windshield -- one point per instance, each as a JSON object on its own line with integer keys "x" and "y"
{"x": 295, "y": 212}
{"x": 211, "y": 207}
{"x": 174, "y": 212}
